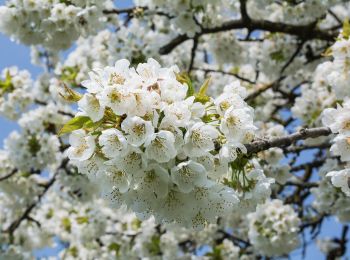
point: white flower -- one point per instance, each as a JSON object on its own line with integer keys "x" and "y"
{"x": 230, "y": 150}
{"x": 82, "y": 146}
{"x": 172, "y": 90}
{"x": 137, "y": 129}
{"x": 179, "y": 140}
{"x": 119, "y": 178}
{"x": 171, "y": 208}
{"x": 119, "y": 74}
{"x": 145, "y": 101}
{"x": 341, "y": 179}
{"x": 236, "y": 123}
{"x": 227, "y": 100}
{"x": 206, "y": 160}
{"x": 118, "y": 98}
{"x": 150, "y": 72}
{"x": 113, "y": 143}
{"x": 341, "y": 147}
{"x": 91, "y": 106}
{"x": 178, "y": 114}
{"x": 199, "y": 139}
{"x": 95, "y": 83}
{"x": 338, "y": 120}
{"x": 131, "y": 162}
{"x": 228, "y": 250}
{"x": 91, "y": 167}
{"x": 154, "y": 179}
{"x": 160, "y": 146}
{"x": 187, "y": 175}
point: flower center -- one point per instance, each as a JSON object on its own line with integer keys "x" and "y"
{"x": 233, "y": 121}
{"x": 115, "y": 78}
{"x": 115, "y": 96}
{"x": 139, "y": 129}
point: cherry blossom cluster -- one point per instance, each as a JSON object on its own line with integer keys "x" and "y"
{"x": 88, "y": 227}
{"x": 338, "y": 120}
{"x": 173, "y": 151}
{"x": 338, "y": 75}
{"x": 15, "y": 95}
{"x": 186, "y": 15}
{"x": 328, "y": 198}
{"x": 272, "y": 159}
{"x": 315, "y": 97}
{"x": 53, "y": 24}
{"x": 273, "y": 228}
{"x": 289, "y": 11}
{"x": 161, "y": 148}
{"x": 32, "y": 151}
{"x": 135, "y": 43}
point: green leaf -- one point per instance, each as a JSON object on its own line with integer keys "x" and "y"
{"x": 67, "y": 2}
{"x": 346, "y": 29}
{"x": 201, "y": 96}
{"x": 137, "y": 57}
{"x": 216, "y": 253}
{"x": 114, "y": 247}
{"x": 82, "y": 220}
{"x": 235, "y": 70}
{"x": 73, "y": 251}
{"x": 69, "y": 74}
{"x": 184, "y": 78}
{"x": 136, "y": 224}
{"x": 66, "y": 224}
{"x": 75, "y": 124}
{"x": 154, "y": 245}
{"x": 277, "y": 56}
{"x": 203, "y": 89}
{"x": 6, "y": 85}
{"x": 70, "y": 95}
{"x": 210, "y": 118}
{"x": 49, "y": 214}
{"x": 328, "y": 52}
{"x": 34, "y": 145}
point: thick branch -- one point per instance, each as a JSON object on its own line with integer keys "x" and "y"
{"x": 132, "y": 11}
{"x": 285, "y": 141}
{"x": 127, "y": 11}
{"x": 304, "y": 32}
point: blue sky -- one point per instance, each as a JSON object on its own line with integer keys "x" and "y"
{"x": 13, "y": 54}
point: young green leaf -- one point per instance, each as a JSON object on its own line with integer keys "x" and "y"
{"x": 74, "y": 124}
{"x": 184, "y": 78}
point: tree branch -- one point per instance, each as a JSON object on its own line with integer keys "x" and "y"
{"x": 15, "y": 224}
{"x": 224, "y": 73}
{"x": 13, "y": 172}
{"x": 304, "y": 32}
{"x": 193, "y": 54}
{"x": 264, "y": 88}
{"x": 285, "y": 141}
